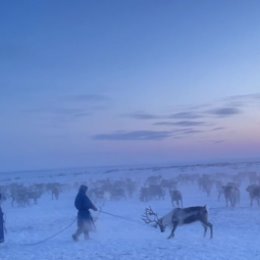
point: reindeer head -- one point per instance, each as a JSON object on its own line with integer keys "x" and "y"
{"x": 151, "y": 217}
{"x": 160, "y": 224}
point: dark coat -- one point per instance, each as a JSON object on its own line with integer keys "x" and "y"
{"x": 83, "y": 204}
{"x": 1, "y": 226}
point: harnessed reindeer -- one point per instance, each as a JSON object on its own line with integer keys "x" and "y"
{"x": 177, "y": 217}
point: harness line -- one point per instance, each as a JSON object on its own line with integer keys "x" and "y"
{"x": 121, "y": 217}
{"x": 52, "y": 236}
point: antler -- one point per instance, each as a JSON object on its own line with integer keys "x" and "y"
{"x": 150, "y": 216}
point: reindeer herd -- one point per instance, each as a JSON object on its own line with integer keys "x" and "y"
{"x": 226, "y": 187}
{"x": 22, "y": 195}
{"x": 154, "y": 187}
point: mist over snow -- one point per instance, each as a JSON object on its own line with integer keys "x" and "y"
{"x": 39, "y": 205}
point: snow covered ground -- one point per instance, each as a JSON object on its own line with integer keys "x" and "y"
{"x": 236, "y": 230}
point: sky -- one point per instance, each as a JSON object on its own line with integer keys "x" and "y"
{"x": 92, "y": 83}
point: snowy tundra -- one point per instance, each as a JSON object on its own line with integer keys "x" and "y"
{"x": 41, "y": 229}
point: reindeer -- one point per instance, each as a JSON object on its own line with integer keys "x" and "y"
{"x": 205, "y": 184}
{"x": 219, "y": 188}
{"x": 151, "y": 192}
{"x": 231, "y": 194}
{"x": 254, "y": 193}
{"x": 176, "y": 198}
{"x": 177, "y": 217}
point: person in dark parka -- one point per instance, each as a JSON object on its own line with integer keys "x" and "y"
{"x": 85, "y": 221}
{"x": 2, "y": 239}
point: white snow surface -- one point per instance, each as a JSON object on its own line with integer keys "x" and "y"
{"x": 236, "y": 230}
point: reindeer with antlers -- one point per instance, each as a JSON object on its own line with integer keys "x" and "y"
{"x": 177, "y": 217}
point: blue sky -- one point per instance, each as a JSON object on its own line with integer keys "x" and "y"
{"x": 125, "y": 82}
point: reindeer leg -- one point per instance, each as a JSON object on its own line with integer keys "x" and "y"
{"x": 211, "y": 229}
{"x": 207, "y": 224}
{"x": 175, "y": 224}
{"x": 205, "y": 229}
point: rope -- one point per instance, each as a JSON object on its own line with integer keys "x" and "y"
{"x": 52, "y": 236}
{"x": 74, "y": 220}
{"x": 121, "y": 217}
{"x": 68, "y": 226}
